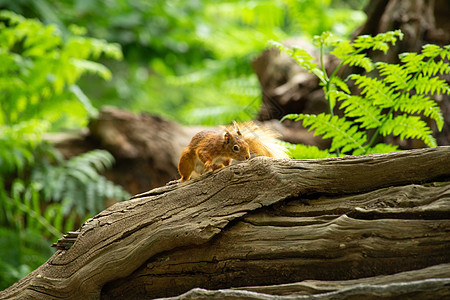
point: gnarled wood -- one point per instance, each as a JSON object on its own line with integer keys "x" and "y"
{"x": 330, "y": 238}
{"x": 270, "y": 221}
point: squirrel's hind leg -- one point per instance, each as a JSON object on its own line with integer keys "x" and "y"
{"x": 186, "y": 166}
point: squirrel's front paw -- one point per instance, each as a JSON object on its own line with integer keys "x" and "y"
{"x": 173, "y": 182}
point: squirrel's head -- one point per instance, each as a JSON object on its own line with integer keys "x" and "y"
{"x": 236, "y": 145}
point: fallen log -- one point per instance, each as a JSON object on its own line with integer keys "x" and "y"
{"x": 261, "y": 223}
{"x": 422, "y": 289}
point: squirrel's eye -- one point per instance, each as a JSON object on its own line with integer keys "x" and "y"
{"x": 236, "y": 148}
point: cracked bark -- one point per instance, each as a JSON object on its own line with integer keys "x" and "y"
{"x": 262, "y": 223}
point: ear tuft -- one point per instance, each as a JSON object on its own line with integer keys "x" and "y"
{"x": 236, "y": 127}
{"x": 227, "y": 136}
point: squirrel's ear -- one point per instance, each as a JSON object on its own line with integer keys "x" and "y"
{"x": 227, "y": 136}
{"x": 236, "y": 127}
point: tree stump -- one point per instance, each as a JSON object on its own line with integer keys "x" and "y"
{"x": 348, "y": 227}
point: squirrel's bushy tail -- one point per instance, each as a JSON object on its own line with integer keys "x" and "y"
{"x": 261, "y": 140}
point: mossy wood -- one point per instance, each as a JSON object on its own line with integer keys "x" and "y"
{"x": 281, "y": 227}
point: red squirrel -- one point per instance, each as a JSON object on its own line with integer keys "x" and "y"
{"x": 211, "y": 150}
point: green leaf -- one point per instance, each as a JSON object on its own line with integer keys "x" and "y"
{"x": 430, "y": 50}
{"x": 368, "y": 115}
{"x": 394, "y": 74}
{"x": 343, "y": 49}
{"x": 92, "y": 111}
{"x": 360, "y": 60}
{"x": 340, "y": 84}
{"x": 412, "y": 104}
{"x": 408, "y": 127}
{"x": 83, "y": 65}
{"x": 379, "y": 93}
{"x": 300, "y": 151}
{"x": 429, "y": 85}
{"x": 344, "y": 134}
{"x": 302, "y": 57}
{"x": 382, "y": 148}
{"x": 412, "y": 61}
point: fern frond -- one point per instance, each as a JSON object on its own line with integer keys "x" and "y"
{"x": 302, "y": 57}
{"x": 344, "y": 134}
{"x": 300, "y": 151}
{"x": 77, "y": 184}
{"x": 433, "y": 68}
{"x": 429, "y": 85}
{"x": 420, "y": 104}
{"x": 342, "y": 49}
{"x": 22, "y": 204}
{"x": 425, "y": 63}
{"x": 412, "y": 61}
{"x": 446, "y": 53}
{"x": 430, "y": 50}
{"x": 338, "y": 82}
{"x": 378, "y": 42}
{"x": 349, "y": 51}
{"x": 408, "y": 127}
{"x": 382, "y": 148}
{"x": 394, "y": 74}
{"x": 100, "y": 159}
{"x": 395, "y": 88}
{"x": 87, "y": 66}
{"x": 363, "y": 111}
{"x": 380, "y": 94}
{"x": 360, "y": 60}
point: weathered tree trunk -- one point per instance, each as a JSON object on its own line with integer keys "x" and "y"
{"x": 268, "y": 222}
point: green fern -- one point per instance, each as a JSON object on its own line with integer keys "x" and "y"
{"x": 406, "y": 126}
{"x": 302, "y": 57}
{"x": 306, "y": 151}
{"x": 41, "y": 194}
{"x": 77, "y": 184}
{"x": 392, "y": 101}
{"x": 375, "y": 91}
{"x": 22, "y": 208}
{"x": 40, "y": 69}
{"x": 344, "y": 133}
{"x": 412, "y": 104}
{"x": 72, "y": 189}
{"x": 367, "y": 115}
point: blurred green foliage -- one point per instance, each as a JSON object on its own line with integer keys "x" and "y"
{"x": 39, "y": 67}
{"x": 190, "y": 60}
{"x": 41, "y": 194}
